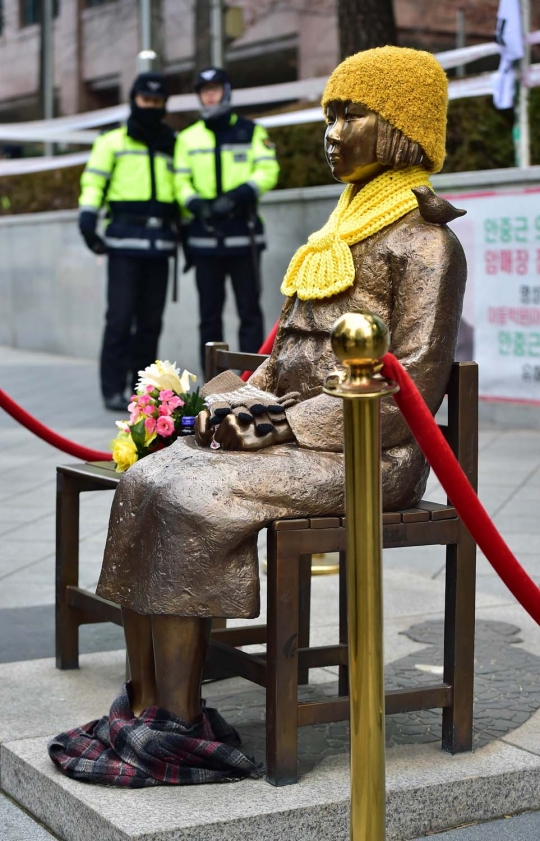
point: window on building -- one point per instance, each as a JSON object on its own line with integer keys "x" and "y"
{"x": 102, "y": 94}
{"x": 96, "y": 2}
{"x": 31, "y": 11}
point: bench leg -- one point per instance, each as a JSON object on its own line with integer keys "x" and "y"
{"x": 304, "y": 618}
{"x": 343, "y": 682}
{"x": 213, "y": 672}
{"x": 459, "y": 643}
{"x": 67, "y": 571}
{"x": 282, "y": 665}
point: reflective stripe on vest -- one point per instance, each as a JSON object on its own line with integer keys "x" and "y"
{"x": 128, "y": 242}
{"x": 228, "y": 242}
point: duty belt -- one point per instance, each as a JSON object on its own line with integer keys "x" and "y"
{"x": 142, "y": 221}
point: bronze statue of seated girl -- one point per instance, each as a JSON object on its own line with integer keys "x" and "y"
{"x": 182, "y": 542}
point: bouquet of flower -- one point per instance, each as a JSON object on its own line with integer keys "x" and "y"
{"x": 162, "y": 399}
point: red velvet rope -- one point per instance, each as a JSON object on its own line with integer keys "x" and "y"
{"x": 454, "y": 481}
{"x": 459, "y": 490}
{"x": 33, "y": 425}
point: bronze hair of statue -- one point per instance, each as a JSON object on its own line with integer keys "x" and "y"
{"x": 182, "y": 542}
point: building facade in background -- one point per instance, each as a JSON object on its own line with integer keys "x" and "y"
{"x": 96, "y": 43}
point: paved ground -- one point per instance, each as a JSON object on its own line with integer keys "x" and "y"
{"x": 64, "y": 393}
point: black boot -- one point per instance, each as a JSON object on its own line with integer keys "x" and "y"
{"x": 116, "y": 403}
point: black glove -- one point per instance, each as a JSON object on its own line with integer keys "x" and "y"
{"x": 87, "y": 227}
{"x": 223, "y": 205}
{"x": 87, "y": 222}
{"x": 240, "y": 201}
{"x": 94, "y": 243}
{"x": 201, "y": 210}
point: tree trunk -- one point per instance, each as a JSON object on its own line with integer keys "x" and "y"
{"x": 364, "y": 24}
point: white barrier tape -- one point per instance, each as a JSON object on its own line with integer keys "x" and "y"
{"x": 51, "y": 135}
{"x": 466, "y": 55}
{"x": 64, "y": 129}
{"x": 292, "y": 118}
{"x": 21, "y": 166}
{"x": 458, "y": 89}
{"x": 302, "y": 89}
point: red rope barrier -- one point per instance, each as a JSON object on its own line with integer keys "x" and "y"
{"x": 33, "y": 425}
{"x": 459, "y": 489}
{"x": 434, "y": 446}
{"x": 266, "y": 347}
{"x": 454, "y": 481}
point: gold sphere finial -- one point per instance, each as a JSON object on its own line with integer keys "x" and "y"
{"x": 360, "y": 340}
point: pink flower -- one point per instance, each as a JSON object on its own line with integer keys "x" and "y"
{"x": 164, "y": 410}
{"x": 149, "y": 410}
{"x": 175, "y": 402}
{"x": 144, "y": 400}
{"x": 149, "y": 388}
{"x": 165, "y": 426}
{"x": 150, "y": 425}
{"x": 166, "y": 394}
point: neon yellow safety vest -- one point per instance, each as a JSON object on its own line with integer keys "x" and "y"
{"x": 137, "y": 186}
{"x": 207, "y": 164}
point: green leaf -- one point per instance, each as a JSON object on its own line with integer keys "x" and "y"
{"x": 138, "y": 434}
{"x": 193, "y": 403}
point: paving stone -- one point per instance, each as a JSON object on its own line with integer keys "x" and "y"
{"x": 27, "y": 633}
{"x": 16, "y": 825}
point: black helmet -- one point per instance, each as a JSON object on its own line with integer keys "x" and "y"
{"x": 153, "y": 84}
{"x": 212, "y": 75}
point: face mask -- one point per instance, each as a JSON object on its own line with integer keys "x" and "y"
{"x": 212, "y": 112}
{"x": 149, "y": 118}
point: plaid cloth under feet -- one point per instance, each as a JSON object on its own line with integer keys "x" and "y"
{"x": 154, "y": 748}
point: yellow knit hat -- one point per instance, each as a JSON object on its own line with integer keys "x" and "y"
{"x": 407, "y": 87}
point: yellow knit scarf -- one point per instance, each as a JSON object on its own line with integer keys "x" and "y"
{"x": 324, "y": 265}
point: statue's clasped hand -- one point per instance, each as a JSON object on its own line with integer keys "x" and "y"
{"x": 243, "y": 417}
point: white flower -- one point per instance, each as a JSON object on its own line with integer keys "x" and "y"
{"x": 185, "y": 380}
{"x": 123, "y": 426}
{"x": 163, "y": 375}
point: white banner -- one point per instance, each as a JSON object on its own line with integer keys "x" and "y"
{"x": 501, "y": 238}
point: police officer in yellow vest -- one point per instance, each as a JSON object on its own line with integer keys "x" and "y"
{"x": 131, "y": 171}
{"x": 222, "y": 164}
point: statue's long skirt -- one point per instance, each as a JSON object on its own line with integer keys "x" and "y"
{"x": 184, "y": 523}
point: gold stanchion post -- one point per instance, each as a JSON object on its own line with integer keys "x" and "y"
{"x": 360, "y": 340}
